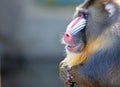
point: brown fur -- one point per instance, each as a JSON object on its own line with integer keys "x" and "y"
{"x": 81, "y": 58}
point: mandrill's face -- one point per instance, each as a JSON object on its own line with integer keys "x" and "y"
{"x": 88, "y": 21}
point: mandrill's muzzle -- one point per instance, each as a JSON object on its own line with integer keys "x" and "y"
{"x": 74, "y": 28}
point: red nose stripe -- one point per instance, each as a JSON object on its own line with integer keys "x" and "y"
{"x": 74, "y": 23}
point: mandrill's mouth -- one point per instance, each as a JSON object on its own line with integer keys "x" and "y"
{"x": 74, "y": 47}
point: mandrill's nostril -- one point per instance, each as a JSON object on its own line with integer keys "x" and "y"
{"x": 67, "y": 38}
{"x": 67, "y": 35}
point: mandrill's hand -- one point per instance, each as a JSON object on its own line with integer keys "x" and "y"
{"x": 65, "y": 74}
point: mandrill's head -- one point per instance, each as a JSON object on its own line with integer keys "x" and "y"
{"x": 91, "y": 19}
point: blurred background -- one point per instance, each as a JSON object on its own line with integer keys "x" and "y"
{"x": 30, "y": 47}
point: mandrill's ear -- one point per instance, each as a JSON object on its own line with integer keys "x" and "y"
{"x": 109, "y": 7}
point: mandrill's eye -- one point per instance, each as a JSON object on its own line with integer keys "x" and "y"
{"x": 83, "y": 13}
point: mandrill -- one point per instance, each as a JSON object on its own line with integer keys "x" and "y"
{"x": 92, "y": 42}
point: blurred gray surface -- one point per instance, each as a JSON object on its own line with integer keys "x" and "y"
{"x": 40, "y": 73}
